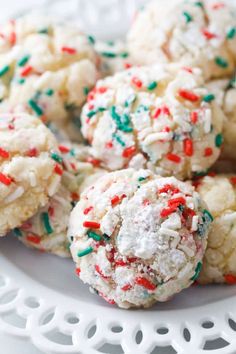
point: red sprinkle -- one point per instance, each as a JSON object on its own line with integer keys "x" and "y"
{"x": 99, "y": 271}
{"x": 145, "y": 283}
{"x": 163, "y": 110}
{"x": 189, "y": 70}
{"x": 127, "y": 65}
{"x": 126, "y": 287}
{"x": 167, "y": 211}
{"x": 75, "y": 196}
{"x": 208, "y": 35}
{"x": 68, "y": 50}
{"x": 129, "y": 151}
{"x": 175, "y": 202}
{"x": 208, "y": 152}
{"x": 110, "y": 301}
{"x": 102, "y": 89}
{"x": 77, "y": 271}
{"x": 51, "y": 211}
{"x": 32, "y": 152}
{"x": 94, "y": 162}
{"x": 188, "y": 147}
{"x": 188, "y": 95}
{"x": 87, "y": 210}
{"x": 5, "y": 179}
{"x": 33, "y": 239}
{"x": 230, "y": 279}
{"x": 169, "y": 188}
{"x": 4, "y": 154}
{"x": 194, "y": 117}
{"x": 91, "y": 224}
{"x": 109, "y": 145}
{"x": 138, "y": 83}
{"x": 117, "y": 199}
{"x": 173, "y": 158}
{"x": 58, "y": 170}
{"x": 12, "y": 38}
{"x": 64, "y": 149}
{"x": 26, "y": 70}
{"x": 217, "y": 6}
{"x": 233, "y": 180}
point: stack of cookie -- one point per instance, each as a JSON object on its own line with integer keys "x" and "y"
{"x": 122, "y": 154}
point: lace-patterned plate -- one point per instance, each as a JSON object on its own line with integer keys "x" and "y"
{"x": 41, "y": 298}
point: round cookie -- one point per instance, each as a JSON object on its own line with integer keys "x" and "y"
{"x": 30, "y": 169}
{"x": 196, "y": 33}
{"x": 219, "y": 193}
{"x": 138, "y": 238}
{"x": 160, "y": 117}
{"x": 47, "y": 229}
{"x": 47, "y": 70}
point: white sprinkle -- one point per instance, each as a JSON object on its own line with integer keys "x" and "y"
{"x": 15, "y": 195}
{"x": 168, "y": 232}
{"x": 194, "y": 223}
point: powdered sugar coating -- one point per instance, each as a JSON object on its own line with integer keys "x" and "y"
{"x": 219, "y": 193}
{"x": 160, "y": 117}
{"x": 29, "y": 173}
{"x": 47, "y": 229}
{"x": 197, "y": 33}
{"x": 138, "y": 238}
{"x": 46, "y": 69}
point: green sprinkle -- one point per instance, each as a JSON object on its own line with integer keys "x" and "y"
{"x": 101, "y": 109}
{"x": 85, "y": 90}
{"x": 21, "y": 81}
{"x": 187, "y": 16}
{"x": 108, "y": 55}
{"x": 221, "y": 62}
{"x": 140, "y": 179}
{"x": 91, "y": 114}
{"x": 208, "y": 98}
{"x": 46, "y": 223}
{"x": 199, "y": 4}
{"x": 231, "y": 33}
{"x": 152, "y": 85}
{"x": 17, "y": 232}
{"x": 208, "y": 215}
{"x": 110, "y": 43}
{"x": 200, "y": 173}
{"x": 232, "y": 83}
{"x": 106, "y": 237}
{"x": 4, "y": 70}
{"x": 91, "y": 39}
{"x": 38, "y": 110}
{"x": 219, "y": 140}
{"x": 93, "y": 235}
{"x": 197, "y": 271}
{"x": 49, "y": 92}
{"x": 85, "y": 252}
{"x": 23, "y": 60}
{"x": 118, "y": 139}
{"x": 124, "y": 55}
{"x": 56, "y": 157}
{"x": 43, "y": 31}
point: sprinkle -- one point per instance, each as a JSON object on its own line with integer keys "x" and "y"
{"x": 93, "y": 161}
{"x": 199, "y": 4}
{"x": 94, "y": 236}
{"x": 23, "y": 60}
{"x": 141, "y": 179}
{"x": 91, "y": 114}
{"x": 38, "y": 110}
{"x": 63, "y": 149}
{"x": 108, "y": 54}
{"x": 188, "y": 95}
{"x": 117, "y": 199}
{"x": 110, "y": 301}
{"x": 56, "y": 157}
{"x": 169, "y": 188}
{"x": 68, "y": 50}
{"x": 4, "y": 154}
{"x": 21, "y": 81}
{"x": 194, "y": 117}
{"x": 46, "y": 223}
{"x": 231, "y": 33}
{"x": 58, "y": 170}
{"x": 43, "y": 31}
{"x": 173, "y": 158}
{"x": 138, "y": 83}
{"x": 208, "y": 215}
{"x": 163, "y": 110}
{"x": 145, "y": 283}
{"x": 175, "y": 202}
{"x": 129, "y": 151}
{"x": 77, "y": 271}
{"x": 49, "y": 92}
{"x": 218, "y": 6}
{"x": 126, "y": 287}
{"x": 4, "y": 70}
{"x": 208, "y": 34}
{"x": 187, "y": 16}
{"x": 85, "y": 251}
{"x": 152, "y": 85}
{"x": 109, "y": 144}
{"x": 33, "y": 239}
{"x": 17, "y": 232}
{"x": 208, "y": 98}
{"x": 219, "y": 140}
{"x": 91, "y": 39}
{"x": 12, "y": 38}
{"x": 208, "y": 152}
{"x": 26, "y": 70}
{"x": 233, "y": 180}
{"x": 87, "y": 210}
{"x": 5, "y": 179}
{"x": 223, "y": 63}
{"x": 188, "y": 147}
{"x": 230, "y": 279}
{"x": 99, "y": 271}
{"x": 167, "y": 211}
{"x": 118, "y": 139}
{"x": 197, "y": 271}
{"x": 86, "y": 90}
{"x": 91, "y": 224}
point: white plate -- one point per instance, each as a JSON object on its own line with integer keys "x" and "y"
{"x": 43, "y": 301}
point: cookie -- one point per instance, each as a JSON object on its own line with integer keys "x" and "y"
{"x": 195, "y": 33}
{"x": 219, "y": 193}
{"x": 160, "y": 117}
{"x": 46, "y": 69}
{"x": 47, "y": 229}
{"x": 138, "y": 238}
{"x": 30, "y": 169}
